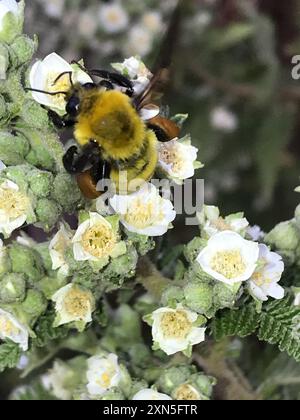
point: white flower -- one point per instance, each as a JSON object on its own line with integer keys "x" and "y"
{"x": 56, "y": 380}
{"x": 177, "y": 159}
{"x": 144, "y": 212}
{"x": 54, "y": 8}
{"x": 175, "y": 330}
{"x": 149, "y": 394}
{"x": 187, "y": 392}
{"x": 140, "y": 41}
{"x": 103, "y": 373}
{"x": 2, "y": 166}
{"x": 12, "y": 329}
{"x": 224, "y": 120}
{"x": 255, "y": 233}
{"x": 152, "y": 20}
{"x": 113, "y": 17}
{"x": 43, "y": 75}
{"x": 87, "y": 25}
{"x": 202, "y": 19}
{"x": 212, "y": 222}
{"x": 264, "y": 281}
{"x": 23, "y": 362}
{"x": 137, "y": 72}
{"x": 296, "y": 291}
{"x": 96, "y": 239}
{"x": 14, "y": 207}
{"x": 57, "y": 249}
{"x": 73, "y": 304}
{"x": 229, "y": 258}
{"x": 8, "y": 6}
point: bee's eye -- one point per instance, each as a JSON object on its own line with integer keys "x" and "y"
{"x": 89, "y": 86}
{"x": 72, "y": 106}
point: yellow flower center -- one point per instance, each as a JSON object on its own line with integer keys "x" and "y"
{"x": 61, "y": 244}
{"x": 7, "y": 328}
{"x": 187, "y": 392}
{"x": 13, "y": 203}
{"x": 99, "y": 240}
{"x": 106, "y": 377}
{"x": 113, "y": 17}
{"x": 62, "y": 85}
{"x": 77, "y": 303}
{"x": 221, "y": 225}
{"x": 175, "y": 325}
{"x": 228, "y": 263}
{"x": 143, "y": 214}
{"x": 169, "y": 154}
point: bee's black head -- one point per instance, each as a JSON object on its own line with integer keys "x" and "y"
{"x": 73, "y": 105}
{"x": 74, "y": 99}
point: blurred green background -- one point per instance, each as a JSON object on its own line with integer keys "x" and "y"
{"x": 232, "y": 72}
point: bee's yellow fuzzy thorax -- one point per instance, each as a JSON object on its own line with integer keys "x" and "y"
{"x": 111, "y": 120}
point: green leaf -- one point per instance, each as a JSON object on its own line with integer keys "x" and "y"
{"x": 45, "y": 332}
{"x": 231, "y": 36}
{"x": 9, "y": 355}
{"x": 238, "y": 322}
{"x": 271, "y": 140}
{"x": 277, "y": 324}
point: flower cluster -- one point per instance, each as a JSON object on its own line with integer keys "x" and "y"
{"x": 105, "y": 28}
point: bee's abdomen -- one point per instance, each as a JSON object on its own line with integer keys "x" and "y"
{"x": 140, "y": 167}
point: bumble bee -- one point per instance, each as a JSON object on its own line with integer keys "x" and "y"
{"x": 112, "y": 137}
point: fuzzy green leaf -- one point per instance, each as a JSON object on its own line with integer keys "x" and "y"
{"x": 9, "y": 355}
{"x": 239, "y": 322}
{"x": 277, "y": 324}
{"x": 45, "y": 332}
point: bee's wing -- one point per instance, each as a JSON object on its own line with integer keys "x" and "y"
{"x": 161, "y": 73}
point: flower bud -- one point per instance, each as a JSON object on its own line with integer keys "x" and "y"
{"x": 34, "y": 304}
{"x": 40, "y": 182}
{"x": 224, "y": 297}
{"x": 22, "y": 50}
{"x": 199, "y": 297}
{"x": 66, "y": 192}
{"x": 193, "y": 249}
{"x": 50, "y": 285}
{"x": 172, "y": 296}
{"x": 48, "y": 213}
{"x": 297, "y": 215}
{"x": 25, "y": 260}
{"x": 4, "y": 62}
{"x": 34, "y": 115}
{"x": 113, "y": 395}
{"x": 11, "y": 20}
{"x": 12, "y": 288}
{"x": 284, "y": 236}
{"x": 13, "y": 149}
{"x": 173, "y": 377}
{"x": 204, "y": 383}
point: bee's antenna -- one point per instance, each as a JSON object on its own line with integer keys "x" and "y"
{"x": 45, "y": 92}
{"x": 63, "y": 74}
{"x": 80, "y": 66}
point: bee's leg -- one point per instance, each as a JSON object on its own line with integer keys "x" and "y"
{"x": 100, "y": 169}
{"x": 115, "y": 78}
{"x": 159, "y": 132}
{"x": 108, "y": 85}
{"x": 76, "y": 161}
{"x": 58, "y": 121}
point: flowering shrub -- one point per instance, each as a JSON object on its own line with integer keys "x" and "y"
{"x": 90, "y": 312}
